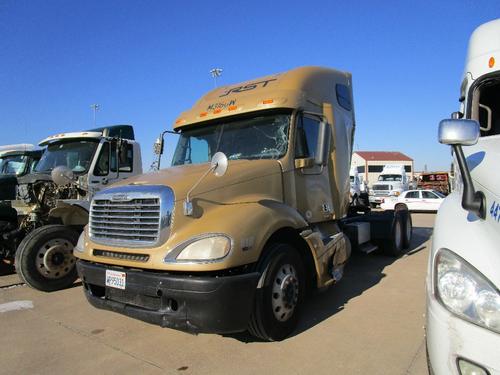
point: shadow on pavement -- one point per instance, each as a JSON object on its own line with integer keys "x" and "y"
{"x": 361, "y": 273}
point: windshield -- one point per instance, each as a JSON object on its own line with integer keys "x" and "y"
{"x": 390, "y": 177}
{"x": 263, "y": 137}
{"x": 14, "y": 164}
{"x": 76, "y": 155}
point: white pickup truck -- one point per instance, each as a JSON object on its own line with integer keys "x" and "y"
{"x": 463, "y": 277}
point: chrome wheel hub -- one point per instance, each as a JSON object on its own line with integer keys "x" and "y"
{"x": 285, "y": 292}
{"x": 54, "y": 259}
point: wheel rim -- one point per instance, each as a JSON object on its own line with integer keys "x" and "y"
{"x": 397, "y": 234}
{"x": 285, "y": 293}
{"x": 54, "y": 259}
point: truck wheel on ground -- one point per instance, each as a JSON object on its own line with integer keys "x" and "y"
{"x": 278, "y": 300}
{"x": 408, "y": 224}
{"x": 395, "y": 243}
{"x": 44, "y": 258}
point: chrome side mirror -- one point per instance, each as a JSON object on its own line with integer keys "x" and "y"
{"x": 458, "y": 132}
{"x": 158, "y": 146}
{"x": 218, "y": 166}
{"x": 323, "y": 144}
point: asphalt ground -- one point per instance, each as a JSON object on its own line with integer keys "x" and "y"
{"x": 369, "y": 323}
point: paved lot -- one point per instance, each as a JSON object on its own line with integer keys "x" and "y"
{"x": 370, "y": 323}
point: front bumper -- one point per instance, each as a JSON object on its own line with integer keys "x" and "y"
{"x": 377, "y": 198}
{"x": 190, "y": 303}
{"x": 450, "y": 338}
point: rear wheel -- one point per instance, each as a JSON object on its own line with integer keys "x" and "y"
{"x": 280, "y": 295}
{"x": 395, "y": 243}
{"x": 407, "y": 224}
{"x": 44, "y": 258}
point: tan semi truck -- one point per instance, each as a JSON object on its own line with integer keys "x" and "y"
{"x": 253, "y": 213}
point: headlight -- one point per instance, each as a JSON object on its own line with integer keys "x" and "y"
{"x": 465, "y": 292}
{"x": 80, "y": 245}
{"x": 209, "y": 248}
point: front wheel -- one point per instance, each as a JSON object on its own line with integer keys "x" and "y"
{"x": 280, "y": 294}
{"x": 44, "y": 258}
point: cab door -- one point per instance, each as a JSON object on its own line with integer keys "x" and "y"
{"x": 105, "y": 168}
{"x": 314, "y": 200}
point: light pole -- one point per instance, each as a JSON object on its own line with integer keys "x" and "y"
{"x": 216, "y": 72}
{"x": 95, "y": 108}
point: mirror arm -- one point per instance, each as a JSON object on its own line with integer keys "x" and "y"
{"x": 188, "y": 205}
{"x": 473, "y": 201}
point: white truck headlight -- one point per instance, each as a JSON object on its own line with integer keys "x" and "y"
{"x": 205, "y": 249}
{"x": 465, "y": 292}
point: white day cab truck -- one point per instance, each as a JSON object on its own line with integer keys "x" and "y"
{"x": 40, "y": 228}
{"x": 463, "y": 277}
{"x": 391, "y": 182}
{"x": 253, "y": 213}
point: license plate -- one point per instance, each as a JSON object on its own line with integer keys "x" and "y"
{"x": 116, "y": 279}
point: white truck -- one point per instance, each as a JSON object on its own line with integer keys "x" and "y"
{"x": 391, "y": 183}
{"x": 358, "y": 189}
{"x": 40, "y": 228}
{"x": 463, "y": 277}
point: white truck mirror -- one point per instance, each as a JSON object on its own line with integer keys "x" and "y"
{"x": 458, "y": 132}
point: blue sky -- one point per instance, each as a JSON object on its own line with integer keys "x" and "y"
{"x": 146, "y": 61}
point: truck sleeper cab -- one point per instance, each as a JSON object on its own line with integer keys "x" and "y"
{"x": 463, "y": 277}
{"x": 202, "y": 248}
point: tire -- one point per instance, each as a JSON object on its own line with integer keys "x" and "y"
{"x": 44, "y": 258}
{"x": 408, "y": 230}
{"x": 279, "y": 299}
{"x": 408, "y": 224}
{"x": 393, "y": 246}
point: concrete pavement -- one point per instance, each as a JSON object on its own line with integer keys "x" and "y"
{"x": 370, "y": 323}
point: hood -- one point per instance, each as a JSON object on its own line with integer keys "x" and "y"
{"x": 34, "y": 177}
{"x": 239, "y": 173}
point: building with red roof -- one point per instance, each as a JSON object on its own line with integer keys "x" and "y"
{"x": 370, "y": 163}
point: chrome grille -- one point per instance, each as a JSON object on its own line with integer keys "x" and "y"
{"x": 131, "y": 215}
{"x": 381, "y": 187}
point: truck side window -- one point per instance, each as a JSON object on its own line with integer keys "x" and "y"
{"x": 102, "y": 165}
{"x": 128, "y": 165}
{"x": 489, "y": 108}
{"x": 343, "y": 96}
{"x": 306, "y": 137}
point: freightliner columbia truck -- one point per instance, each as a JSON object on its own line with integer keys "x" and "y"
{"x": 463, "y": 278}
{"x": 253, "y": 212}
